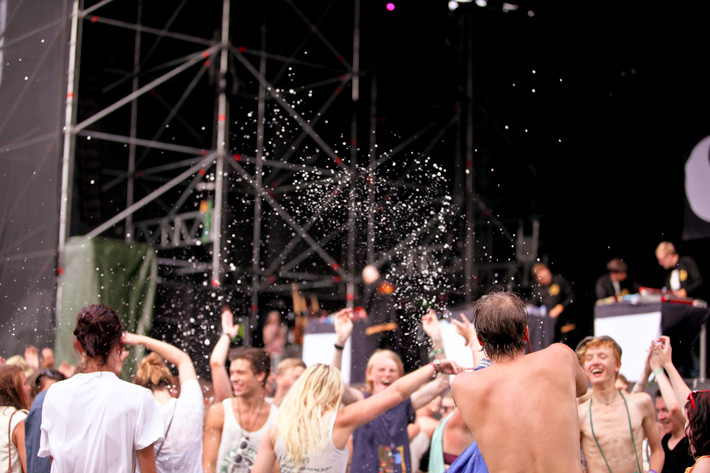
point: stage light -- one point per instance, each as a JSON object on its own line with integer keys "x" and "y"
{"x": 390, "y": 6}
{"x": 453, "y": 5}
{"x": 482, "y": 3}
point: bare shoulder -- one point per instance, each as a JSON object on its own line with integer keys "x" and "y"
{"x": 462, "y": 381}
{"x": 559, "y": 350}
{"x": 468, "y": 382}
{"x": 702, "y": 465}
{"x": 215, "y": 412}
{"x": 641, "y": 399}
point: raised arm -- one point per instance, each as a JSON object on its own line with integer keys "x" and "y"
{"x": 425, "y": 394}
{"x": 431, "y": 326}
{"x": 218, "y": 359}
{"x": 362, "y": 412}
{"x": 343, "y": 323}
{"x": 465, "y": 328}
{"x": 170, "y": 353}
{"x": 640, "y": 385}
{"x": 664, "y": 384}
{"x": 664, "y": 352}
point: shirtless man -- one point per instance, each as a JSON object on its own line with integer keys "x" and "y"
{"x": 522, "y": 409}
{"x": 613, "y": 425}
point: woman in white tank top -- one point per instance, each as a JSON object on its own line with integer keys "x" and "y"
{"x": 311, "y": 434}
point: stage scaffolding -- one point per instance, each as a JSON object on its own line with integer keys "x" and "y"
{"x": 205, "y": 131}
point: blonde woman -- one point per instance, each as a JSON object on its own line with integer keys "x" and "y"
{"x": 182, "y": 414}
{"x": 310, "y": 433}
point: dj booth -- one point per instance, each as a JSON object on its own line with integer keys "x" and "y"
{"x": 638, "y": 319}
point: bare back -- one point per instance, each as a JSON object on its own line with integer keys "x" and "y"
{"x": 523, "y": 411}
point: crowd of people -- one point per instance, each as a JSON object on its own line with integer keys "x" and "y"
{"x": 556, "y": 409}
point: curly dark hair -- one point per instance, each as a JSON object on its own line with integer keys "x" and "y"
{"x": 500, "y": 320}
{"x": 698, "y": 428}
{"x": 98, "y": 329}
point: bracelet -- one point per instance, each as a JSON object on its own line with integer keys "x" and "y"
{"x": 231, "y": 339}
{"x": 657, "y": 371}
{"x": 436, "y": 364}
{"x": 652, "y": 471}
{"x": 338, "y": 347}
{"x": 438, "y": 351}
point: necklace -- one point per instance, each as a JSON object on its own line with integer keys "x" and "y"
{"x": 254, "y": 421}
{"x": 633, "y": 442}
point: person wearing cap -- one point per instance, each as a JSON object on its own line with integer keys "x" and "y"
{"x": 613, "y": 424}
{"x": 616, "y": 282}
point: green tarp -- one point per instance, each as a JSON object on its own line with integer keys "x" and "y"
{"x": 112, "y": 272}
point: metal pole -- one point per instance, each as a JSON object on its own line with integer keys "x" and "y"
{"x": 221, "y": 150}
{"x": 352, "y": 229}
{"x": 69, "y": 137}
{"x": 256, "y": 240}
{"x": 371, "y": 172}
{"x": 130, "y": 182}
{"x": 67, "y": 150}
{"x": 470, "y": 189}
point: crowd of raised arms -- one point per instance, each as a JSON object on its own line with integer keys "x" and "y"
{"x": 553, "y": 410}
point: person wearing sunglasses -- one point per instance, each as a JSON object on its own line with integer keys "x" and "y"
{"x": 612, "y": 424}
{"x": 696, "y": 406}
{"x": 522, "y": 409}
{"x": 669, "y": 412}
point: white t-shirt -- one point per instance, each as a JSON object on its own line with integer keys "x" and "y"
{"x": 95, "y": 422}
{"x": 182, "y": 449}
{"x": 6, "y": 412}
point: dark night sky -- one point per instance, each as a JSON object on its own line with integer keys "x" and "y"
{"x": 605, "y": 101}
{"x": 585, "y": 112}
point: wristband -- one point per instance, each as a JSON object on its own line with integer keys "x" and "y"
{"x": 438, "y": 351}
{"x": 338, "y": 347}
{"x": 652, "y": 471}
{"x": 231, "y": 339}
{"x": 657, "y": 371}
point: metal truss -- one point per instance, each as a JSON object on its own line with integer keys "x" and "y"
{"x": 207, "y": 133}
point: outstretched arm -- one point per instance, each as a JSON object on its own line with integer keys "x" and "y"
{"x": 362, "y": 412}
{"x": 425, "y": 394}
{"x": 170, "y": 353}
{"x": 218, "y": 359}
